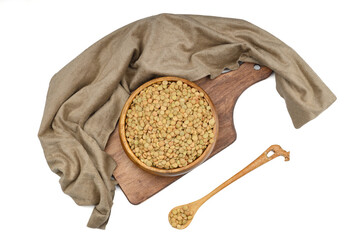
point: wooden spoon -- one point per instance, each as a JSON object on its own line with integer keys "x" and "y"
{"x": 181, "y": 216}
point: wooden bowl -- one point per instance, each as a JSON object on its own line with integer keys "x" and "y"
{"x": 158, "y": 171}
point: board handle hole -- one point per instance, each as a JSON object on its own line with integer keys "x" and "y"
{"x": 257, "y": 67}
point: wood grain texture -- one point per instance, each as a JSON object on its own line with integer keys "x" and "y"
{"x": 139, "y": 185}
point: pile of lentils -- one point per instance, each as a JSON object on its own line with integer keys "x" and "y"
{"x": 178, "y": 217}
{"x": 169, "y": 124}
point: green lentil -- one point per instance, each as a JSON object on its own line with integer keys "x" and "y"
{"x": 180, "y": 216}
{"x": 168, "y": 125}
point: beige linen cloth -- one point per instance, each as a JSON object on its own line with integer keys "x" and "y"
{"x": 85, "y": 98}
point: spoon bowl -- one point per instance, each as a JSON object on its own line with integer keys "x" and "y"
{"x": 186, "y": 218}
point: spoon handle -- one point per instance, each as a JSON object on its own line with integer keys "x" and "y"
{"x": 271, "y": 153}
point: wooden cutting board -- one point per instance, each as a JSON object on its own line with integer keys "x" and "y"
{"x": 224, "y": 91}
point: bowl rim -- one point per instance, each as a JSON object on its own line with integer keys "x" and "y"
{"x": 159, "y": 171}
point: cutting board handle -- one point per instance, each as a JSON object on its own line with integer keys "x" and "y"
{"x": 224, "y": 92}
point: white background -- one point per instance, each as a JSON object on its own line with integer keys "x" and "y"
{"x": 314, "y": 196}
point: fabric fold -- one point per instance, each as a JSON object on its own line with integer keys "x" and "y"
{"x": 85, "y": 98}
